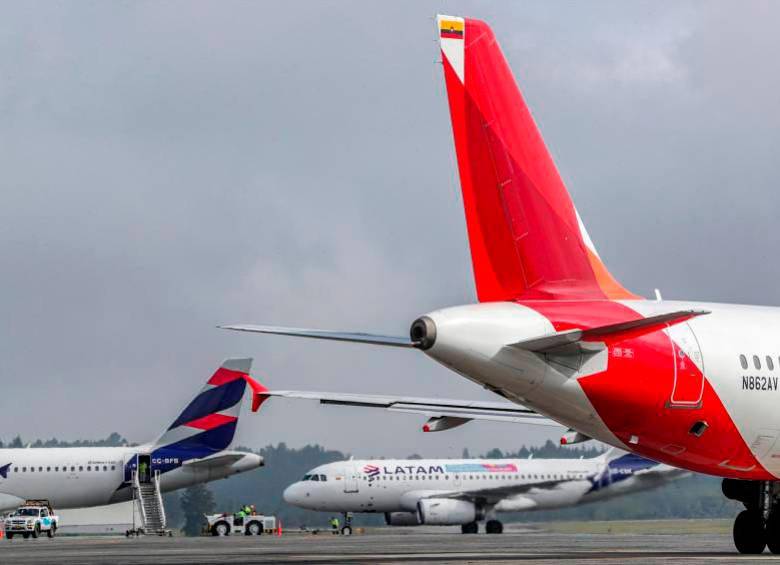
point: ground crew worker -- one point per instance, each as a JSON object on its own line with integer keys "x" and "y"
{"x": 247, "y": 510}
{"x": 334, "y": 524}
{"x": 142, "y": 471}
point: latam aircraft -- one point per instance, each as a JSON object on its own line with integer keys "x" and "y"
{"x": 194, "y": 449}
{"x": 463, "y": 492}
{"x": 690, "y": 384}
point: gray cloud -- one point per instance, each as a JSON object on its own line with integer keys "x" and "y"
{"x": 170, "y": 166}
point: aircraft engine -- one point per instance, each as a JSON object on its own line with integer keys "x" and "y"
{"x": 402, "y": 519}
{"x": 447, "y": 512}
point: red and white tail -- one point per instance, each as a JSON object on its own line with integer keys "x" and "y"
{"x": 527, "y": 240}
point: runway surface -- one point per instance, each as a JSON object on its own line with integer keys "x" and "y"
{"x": 529, "y": 546}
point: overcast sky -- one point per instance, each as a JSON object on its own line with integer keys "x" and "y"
{"x": 167, "y": 167}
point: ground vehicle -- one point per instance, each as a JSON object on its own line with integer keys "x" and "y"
{"x": 252, "y": 525}
{"x": 33, "y": 518}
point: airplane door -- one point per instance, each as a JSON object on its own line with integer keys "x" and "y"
{"x": 688, "y": 366}
{"x": 351, "y": 479}
{"x": 131, "y": 465}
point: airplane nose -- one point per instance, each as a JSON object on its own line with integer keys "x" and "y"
{"x": 292, "y": 494}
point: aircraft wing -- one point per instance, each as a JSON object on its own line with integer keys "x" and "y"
{"x": 443, "y": 413}
{"x": 560, "y": 340}
{"x": 661, "y": 473}
{"x": 495, "y": 494}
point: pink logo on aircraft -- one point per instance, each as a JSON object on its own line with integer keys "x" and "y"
{"x": 500, "y": 468}
{"x": 371, "y": 470}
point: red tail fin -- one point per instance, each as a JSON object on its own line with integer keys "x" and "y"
{"x": 526, "y": 238}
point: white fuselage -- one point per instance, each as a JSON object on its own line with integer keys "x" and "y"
{"x": 507, "y": 484}
{"x": 734, "y": 349}
{"x": 92, "y": 476}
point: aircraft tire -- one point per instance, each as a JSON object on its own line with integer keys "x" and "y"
{"x": 346, "y": 531}
{"x": 470, "y": 528}
{"x": 773, "y": 532}
{"x": 749, "y": 533}
{"x": 494, "y": 527}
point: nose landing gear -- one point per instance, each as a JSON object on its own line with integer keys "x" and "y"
{"x": 758, "y": 526}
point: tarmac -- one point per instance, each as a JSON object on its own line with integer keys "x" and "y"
{"x": 384, "y": 546}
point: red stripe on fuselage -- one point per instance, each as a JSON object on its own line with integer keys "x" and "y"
{"x": 211, "y": 421}
{"x": 632, "y": 397}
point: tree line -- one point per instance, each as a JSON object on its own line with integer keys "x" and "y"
{"x": 698, "y": 496}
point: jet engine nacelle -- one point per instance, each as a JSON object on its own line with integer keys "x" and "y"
{"x": 402, "y": 519}
{"x": 447, "y": 512}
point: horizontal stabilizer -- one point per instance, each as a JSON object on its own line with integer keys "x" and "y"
{"x": 219, "y": 460}
{"x": 430, "y": 407}
{"x": 355, "y": 337}
{"x": 611, "y": 332}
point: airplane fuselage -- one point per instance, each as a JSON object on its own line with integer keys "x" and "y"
{"x": 500, "y": 485}
{"x": 94, "y": 476}
{"x": 700, "y": 394}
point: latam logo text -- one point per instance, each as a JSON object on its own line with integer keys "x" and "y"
{"x": 373, "y": 470}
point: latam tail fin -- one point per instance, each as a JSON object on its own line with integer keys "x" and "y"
{"x": 208, "y": 423}
{"x": 527, "y": 240}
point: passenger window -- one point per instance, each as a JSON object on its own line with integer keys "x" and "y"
{"x": 113, "y": 467}
{"x": 57, "y": 469}
{"x": 16, "y": 469}
{"x": 48, "y": 469}
{"x": 24, "y": 469}
{"x": 743, "y": 361}
{"x": 72, "y": 468}
{"x": 32, "y": 469}
{"x": 81, "y": 468}
{"x": 769, "y": 363}
{"x": 89, "y": 467}
{"x": 757, "y": 362}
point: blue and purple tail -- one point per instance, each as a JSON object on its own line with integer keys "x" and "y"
{"x": 208, "y": 424}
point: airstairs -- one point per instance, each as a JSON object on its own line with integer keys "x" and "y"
{"x": 150, "y": 505}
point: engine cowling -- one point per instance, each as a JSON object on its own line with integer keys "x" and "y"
{"x": 402, "y": 519}
{"x": 447, "y": 512}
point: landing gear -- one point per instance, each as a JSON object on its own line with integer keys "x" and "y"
{"x": 494, "y": 527}
{"x": 749, "y": 533}
{"x": 758, "y": 526}
{"x": 470, "y": 528}
{"x": 772, "y": 532}
{"x": 346, "y": 530}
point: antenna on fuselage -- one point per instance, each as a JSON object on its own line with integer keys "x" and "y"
{"x": 658, "y": 297}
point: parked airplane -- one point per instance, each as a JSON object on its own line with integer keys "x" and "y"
{"x": 694, "y": 385}
{"x": 194, "y": 449}
{"x": 463, "y": 492}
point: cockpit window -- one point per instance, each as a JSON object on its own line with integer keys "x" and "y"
{"x": 306, "y": 478}
{"x": 315, "y": 477}
{"x": 323, "y": 478}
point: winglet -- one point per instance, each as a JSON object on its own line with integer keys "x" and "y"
{"x": 258, "y": 393}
